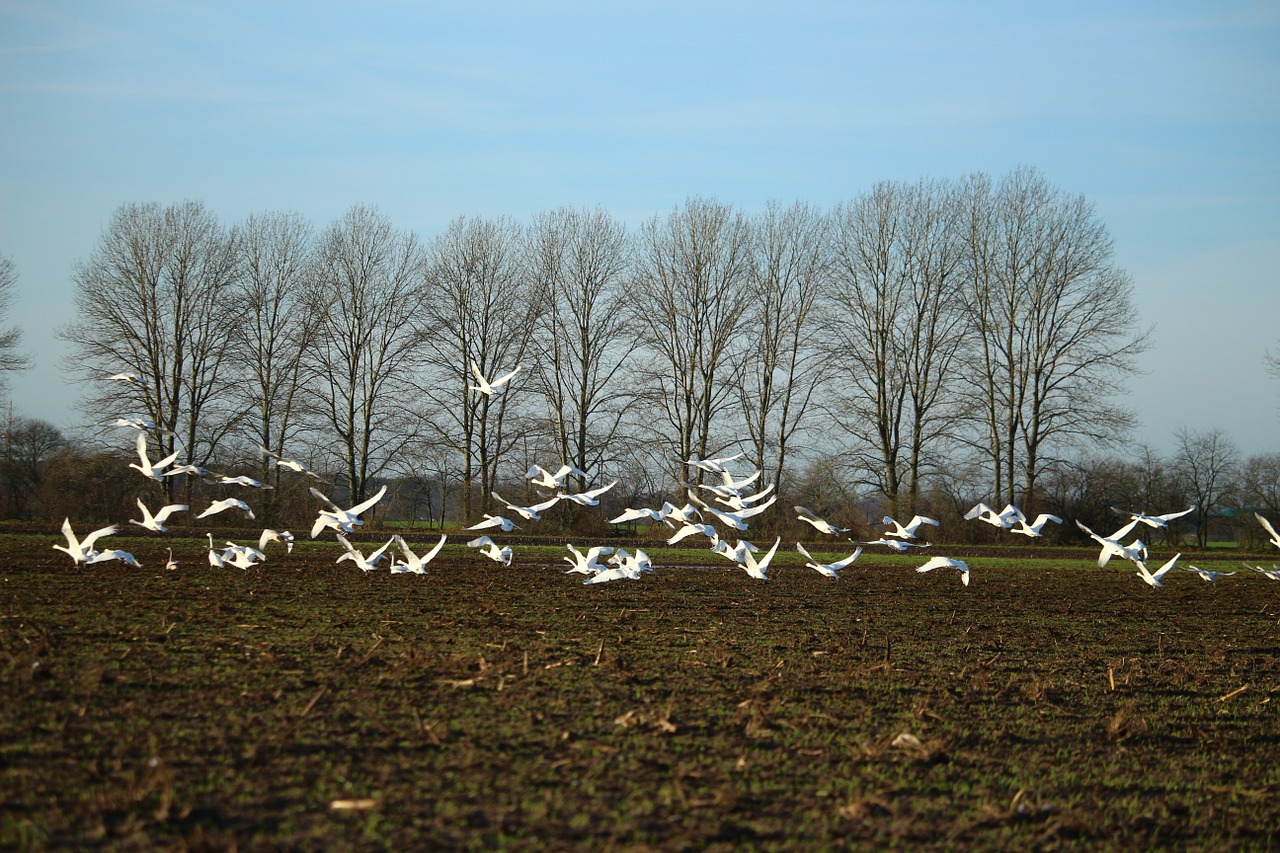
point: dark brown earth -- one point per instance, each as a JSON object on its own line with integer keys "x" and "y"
{"x": 306, "y": 705}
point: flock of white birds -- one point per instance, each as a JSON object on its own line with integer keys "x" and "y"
{"x": 733, "y": 506}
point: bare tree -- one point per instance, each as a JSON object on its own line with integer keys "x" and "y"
{"x": 11, "y": 359}
{"x": 481, "y": 311}
{"x": 160, "y": 297}
{"x": 690, "y": 300}
{"x": 28, "y": 446}
{"x": 369, "y": 289}
{"x": 781, "y": 360}
{"x": 1208, "y": 464}
{"x": 896, "y": 329}
{"x": 1053, "y": 326}
{"x": 278, "y": 328}
{"x": 577, "y": 260}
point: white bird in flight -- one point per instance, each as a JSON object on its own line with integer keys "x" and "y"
{"x": 713, "y": 466}
{"x": 156, "y": 522}
{"x": 282, "y": 536}
{"x": 132, "y": 378}
{"x": 288, "y": 464}
{"x": 1004, "y": 519}
{"x": 533, "y": 512}
{"x": 899, "y": 545}
{"x": 226, "y": 504}
{"x": 1113, "y": 547}
{"x": 114, "y": 554}
{"x": 630, "y": 514}
{"x": 736, "y": 520}
{"x": 1271, "y": 531}
{"x": 540, "y": 476}
{"x": 1033, "y": 529}
{"x": 342, "y": 520}
{"x": 80, "y": 549}
{"x": 690, "y": 528}
{"x": 588, "y": 563}
{"x": 947, "y": 563}
{"x": 145, "y": 465}
{"x": 756, "y": 568}
{"x": 1272, "y": 573}
{"x": 820, "y": 524}
{"x": 506, "y": 524}
{"x": 1205, "y": 574}
{"x": 484, "y": 386}
{"x": 1158, "y": 521}
{"x": 909, "y": 530}
{"x": 491, "y": 550}
{"x": 240, "y": 556}
{"x": 591, "y": 497}
{"x": 412, "y": 562}
{"x": 355, "y": 555}
{"x": 140, "y": 424}
{"x": 242, "y": 480}
{"x": 1153, "y": 578}
{"x": 831, "y": 570}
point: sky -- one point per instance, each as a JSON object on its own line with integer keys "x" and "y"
{"x": 1165, "y": 115}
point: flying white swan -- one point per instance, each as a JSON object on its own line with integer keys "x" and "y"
{"x": 1153, "y": 578}
{"x": 282, "y": 536}
{"x": 242, "y": 480}
{"x": 240, "y": 556}
{"x": 736, "y": 520}
{"x": 1034, "y": 528}
{"x": 756, "y": 568}
{"x": 713, "y": 466}
{"x": 226, "y": 504}
{"x": 412, "y": 562}
{"x": 156, "y": 522}
{"x": 591, "y": 497}
{"x": 690, "y": 528}
{"x": 355, "y": 555}
{"x": 114, "y": 554}
{"x": 630, "y": 514}
{"x": 899, "y": 545}
{"x": 484, "y": 386}
{"x": 909, "y": 530}
{"x": 734, "y": 552}
{"x": 506, "y": 524}
{"x": 79, "y": 550}
{"x": 540, "y": 476}
{"x": 947, "y": 563}
{"x": 737, "y": 502}
{"x": 831, "y": 570}
{"x": 491, "y": 550}
{"x": 131, "y": 378}
{"x": 1205, "y": 574}
{"x": 1004, "y": 519}
{"x": 1271, "y": 531}
{"x": 1113, "y": 547}
{"x": 140, "y": 424}
{"x": 533, "y": 512}
{"x": 145, "y": 465}
{"x": 588, "y": 563}
{"x": 342, "y": 520}
{"x": 191, "y": 471}
{"x": 1158, "y": 521}
{"x": 1272, "y": 573}
{"x": 288, "y": 464}
{"x": 820, "y": 524}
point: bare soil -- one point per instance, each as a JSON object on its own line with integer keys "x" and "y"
{"x": 306, "y": 705}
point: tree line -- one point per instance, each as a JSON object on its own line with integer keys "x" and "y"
{"x": 926, "y": 338}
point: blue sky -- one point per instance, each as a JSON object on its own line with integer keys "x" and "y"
{"x": 1165, "y": 114}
